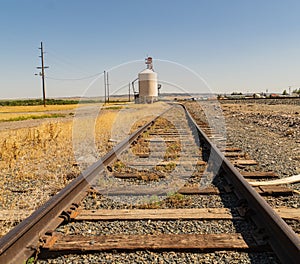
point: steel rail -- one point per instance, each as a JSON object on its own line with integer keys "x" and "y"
{"x": 283, "y": 240}
{"x": 23, "y": 241}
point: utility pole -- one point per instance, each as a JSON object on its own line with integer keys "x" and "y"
{"x": 128, "y": 92}
{"x": 107, "y": 84}
{"x": 43, "y": 67}
{"x": 104, "y": 87}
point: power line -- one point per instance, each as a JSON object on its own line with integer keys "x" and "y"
{"x": 75, "y": 79}
{"x": 66, "y": 62}
{"x": 70, "y": 65}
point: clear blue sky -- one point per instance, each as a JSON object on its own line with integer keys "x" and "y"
{"x": 235, "y": 45}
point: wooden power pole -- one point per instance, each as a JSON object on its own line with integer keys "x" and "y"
{"x": 42, "y": 73}
{"x": 129, "y": 92}
{"x": 104, "y": 87}
{"x": 107, "y": 85}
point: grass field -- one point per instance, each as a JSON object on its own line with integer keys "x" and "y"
{"x": 17, "y": 113}
{"x": 36, "y": 162}
{"x": 36, "y": 108}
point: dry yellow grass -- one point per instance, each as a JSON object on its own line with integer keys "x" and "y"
{"x": 10, "y": 112}
{"x": 36, "y": 108}
{"x": 37, "y": 162}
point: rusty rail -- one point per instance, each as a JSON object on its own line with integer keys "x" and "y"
{"x": 23, "y": 241}
{"x": 283, "y": 240}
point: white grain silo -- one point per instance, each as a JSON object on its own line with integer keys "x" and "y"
{"x": 148, "y": 88}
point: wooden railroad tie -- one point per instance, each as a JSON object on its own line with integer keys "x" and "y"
{"x": 166, "y": 163}
{"x": 136, "y": 175}
{"x": 232, "y": 149}
{"x": 234, "y": 154}
{"x": 192, "y": 190}
{"x": 159, "y": 154}
{"x": 274, "y": 190}
{"x": 158, "y": 214}
{"x": 154, "y": 214}
{"x": 58, "y": 242}
{"x": 244, "y": 162}
{"x": 172, "y": 214}
{"x": 259, "y": 174}
{"x": 137, "y": 191}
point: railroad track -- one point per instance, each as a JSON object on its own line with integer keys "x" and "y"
{"x": 165, "y": 193}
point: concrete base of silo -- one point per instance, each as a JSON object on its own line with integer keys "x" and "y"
{"x": 146, "y": 99}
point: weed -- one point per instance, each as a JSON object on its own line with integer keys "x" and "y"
{"x": 119, "y": 166}
{"x": 149, "y": 177}
{"x": 150, "y": 203}
{"x": 176, "y": 196}
{"x": 113, "y": 107}
{"x": 177, "y": 200}
{"x": 22, "y": 118}
{"x": 169, "y": 167}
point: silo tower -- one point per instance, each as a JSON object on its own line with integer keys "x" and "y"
{"x": 148, "y": 88}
